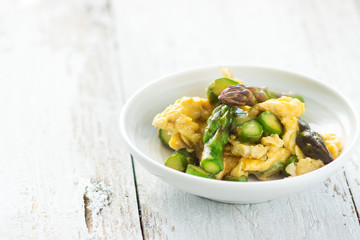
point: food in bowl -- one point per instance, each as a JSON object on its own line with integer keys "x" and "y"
{"x": 239, "y": 131}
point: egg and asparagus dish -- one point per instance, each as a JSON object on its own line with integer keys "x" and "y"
{"x": 239, "y": 131}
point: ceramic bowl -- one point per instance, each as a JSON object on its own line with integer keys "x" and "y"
{"x": 327, "y": 110}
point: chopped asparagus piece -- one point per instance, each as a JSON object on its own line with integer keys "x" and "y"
{"x": 237, "y": 179}
{"x": 198, "y": 171}
{"x": 290, "y": 160}
{"x": 164, "y": 136}
{"x": 180, "y": 159}
{"x": 216, "y": 87}
{"x": 273, "y": 170}
{"x": 177, "y": 162}
{"x": 250, "y": 131}
{"x": 270, "y": 123}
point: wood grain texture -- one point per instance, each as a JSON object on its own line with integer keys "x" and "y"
{"x": 302, "y": 36}
{"x": 60, "y": 100}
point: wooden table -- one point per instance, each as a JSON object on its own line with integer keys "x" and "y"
{"x": 66, "y": 69}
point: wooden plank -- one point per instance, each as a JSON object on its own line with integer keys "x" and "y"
{"x": 60, "y": 99}
{"x": 159, "y": 37}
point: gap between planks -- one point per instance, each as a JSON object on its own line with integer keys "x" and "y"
{"x": 137, "y": 197}
{"x": 352, "y": 197}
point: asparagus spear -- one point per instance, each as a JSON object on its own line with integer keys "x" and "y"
{"x": 303, "y": 126}
{"x": 212, "y": 124}
{"x": 313, "y": 145}
{"x": 240, "y": 95}
{"x": 216, "y": 135}
{"x": 240, "y": 116}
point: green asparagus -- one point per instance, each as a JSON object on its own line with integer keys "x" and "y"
{"x": 290, "y": 160}
{"x": 216, "y": 87}
{"x": 164, "y": 136}
{"x": 273, "y": 170}
{"x": 272, "y": 94}
{"x": 236, "y": 179}
{"x": 198, "y": 171}
{"x": 216, "y": 135}
{"x": 180, "y": 159}
{"x": 270, "y": 123}
{"x": 250, "y": 131}
{"x": 240, "y": 116}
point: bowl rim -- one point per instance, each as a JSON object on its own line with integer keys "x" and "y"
{"x": 328, "y": 168}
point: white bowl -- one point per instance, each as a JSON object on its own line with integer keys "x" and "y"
{"x": 326, "y": 108}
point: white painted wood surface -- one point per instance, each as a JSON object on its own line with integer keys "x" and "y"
{"x": 60, "y": 100}
{"x": 66, "y": 68}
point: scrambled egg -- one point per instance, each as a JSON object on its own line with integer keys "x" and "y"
{"x": 185, "y": 121}
{"x": 287, "y": 110}
{"x": 306, "y": 165}
{"x": 333, "y": 143}
{"x": 258, "y": 158}
{"x": 248, "y": 151}
{"x": 291, "y": 169}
